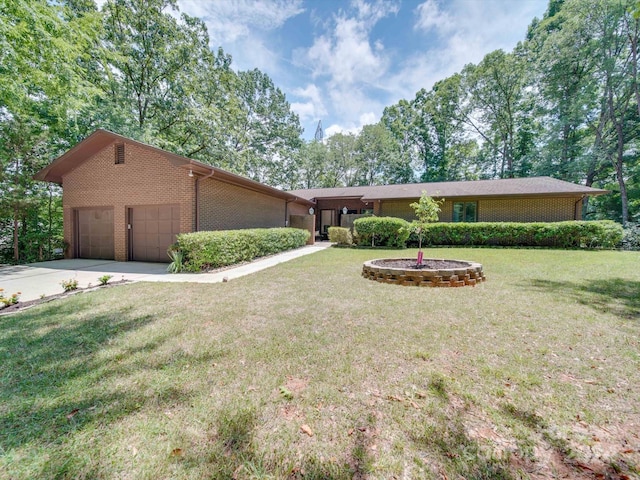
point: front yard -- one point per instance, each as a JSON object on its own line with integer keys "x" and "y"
{"x": 307, "y": 370}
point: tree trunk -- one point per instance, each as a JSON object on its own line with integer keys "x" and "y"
{"x": 16, "y": 248}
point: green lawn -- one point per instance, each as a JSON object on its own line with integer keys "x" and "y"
{"x": 307, "y": 370}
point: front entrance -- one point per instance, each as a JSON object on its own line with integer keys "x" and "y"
{"x": 152, "y": 229}
{"x": 94, "y": 233}
{"x": 327, "y": 219}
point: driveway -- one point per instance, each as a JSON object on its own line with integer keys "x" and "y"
{"x": 43, "y": 278}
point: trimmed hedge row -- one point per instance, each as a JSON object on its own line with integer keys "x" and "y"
{"x": 205, "y": 250}
{"x": 573, "y": 234}
{"x": 381, "y": 231}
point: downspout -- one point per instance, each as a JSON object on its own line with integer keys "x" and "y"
{"x": 198, "y": 198}
{"x": 575, "y": 207}
{"x": 286, "y": 211}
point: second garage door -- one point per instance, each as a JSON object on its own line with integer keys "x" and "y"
{"x": 153, "y": 229}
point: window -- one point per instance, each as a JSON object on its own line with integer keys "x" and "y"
{"x": 465, "y": 211}
{"x": 367, "y": 211}
{"x": 119, "y": 153}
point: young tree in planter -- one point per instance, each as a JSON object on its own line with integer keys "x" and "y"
{"x": 427, "y": 210}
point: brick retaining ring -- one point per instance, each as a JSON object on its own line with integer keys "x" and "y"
{"x": 470, "y": 274}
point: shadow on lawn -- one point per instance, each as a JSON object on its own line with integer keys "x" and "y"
{"x": 618, "y": 296}
{"x": 232, "y": 453}
{"x": 52, "y": 373}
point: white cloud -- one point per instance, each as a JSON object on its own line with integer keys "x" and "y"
{"x": 335, "y": 128}
{"x": 467, "y": 30}
{"x": 431, "y": 17}
{"x": 348, "y": 61}
{"x": 314, "y": 108}
{"x": 244, "y": 26}
{"x": 230, "y": 20}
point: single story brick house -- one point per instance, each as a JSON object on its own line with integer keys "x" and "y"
{"x": 125, "y": 200}
{"x": 536, "y": 199}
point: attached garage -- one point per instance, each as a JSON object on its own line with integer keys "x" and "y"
{"x": 125, "y": 200}
{"x": 95, "y": 233}
{"x": 152, "y": 229}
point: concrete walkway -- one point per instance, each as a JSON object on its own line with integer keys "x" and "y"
{"x": 43, "y": 279}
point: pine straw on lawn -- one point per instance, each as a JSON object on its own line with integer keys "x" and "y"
{"x": 308, "y": 370}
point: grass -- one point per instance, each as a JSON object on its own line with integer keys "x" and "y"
{"x": 533, "y": 374}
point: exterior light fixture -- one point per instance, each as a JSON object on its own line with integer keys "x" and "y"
{"x": 345, "y": 210}
{"x": 190, "y": 172}
{"x": 311, "y": 211}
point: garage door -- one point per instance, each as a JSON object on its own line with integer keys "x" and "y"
{"x": 95, "y": 233}
{"x": 153, "y": 229}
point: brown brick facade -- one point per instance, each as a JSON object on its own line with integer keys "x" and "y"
{"x": 145, "y": 178}
{"x": 224, "y": 206}
{"x": 545, "y": 209}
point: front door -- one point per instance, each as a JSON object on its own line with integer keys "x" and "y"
{"x": 327, "y": 219}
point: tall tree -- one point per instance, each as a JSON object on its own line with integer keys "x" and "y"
{"x": 153, "y": 55}
{"x": 496, "y": 89}
{"x": 42, "y": 47}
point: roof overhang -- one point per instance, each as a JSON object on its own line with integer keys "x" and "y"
{"x": 496, "y": 197}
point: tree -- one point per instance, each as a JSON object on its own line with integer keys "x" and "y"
{"x": 153, "y": 54}
{"x": 42, "y": 49}
{"x": 313, "y": 160}
{"x": 378, "y": 159}
{"x": 495, "y": 109}
{"x": 427, "y": 210}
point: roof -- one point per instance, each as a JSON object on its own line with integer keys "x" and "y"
{"x": 55, "y": 171}
{"x": 521, "y": 187}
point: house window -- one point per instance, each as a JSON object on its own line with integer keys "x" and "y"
{"x": 119, "y": 153}
{"x": 465, "y": 211}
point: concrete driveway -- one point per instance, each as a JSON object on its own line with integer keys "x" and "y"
{"x": 43, "y": 278}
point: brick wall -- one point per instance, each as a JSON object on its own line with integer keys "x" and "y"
{"x": 228, "y": 207}
{"x": 145, "y": 178}
{"x": 552, "y": 209}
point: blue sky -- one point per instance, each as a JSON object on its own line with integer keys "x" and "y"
{"x": 343, "y": 61}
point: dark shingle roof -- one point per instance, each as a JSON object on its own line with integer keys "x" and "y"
{"x": 533, "y": 186}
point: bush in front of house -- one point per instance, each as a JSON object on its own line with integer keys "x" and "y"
{"x": 631, "y": 238}
{"x": 381, "y": 231}
{"x": 572, "y": 234}
{"x": 206, "y": 250}
{"x": 341, "y": 236}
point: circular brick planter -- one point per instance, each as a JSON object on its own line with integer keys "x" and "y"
{"x": 449, "y": 273}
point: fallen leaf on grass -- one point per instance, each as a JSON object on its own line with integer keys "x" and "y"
{"x": 72, "y": 413}
{"x": 177, "y": 452}
{"x": 306, "y": 429}
{"x": 237, "y": 471}
{"x": 395, "y": 398}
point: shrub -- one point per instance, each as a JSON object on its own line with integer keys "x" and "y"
{"x": 69, "y": 285}
{"x": 382, "y": 231}
{"x": 104, "y": 279}
{"x": 177, "y": 260}
{"x": 631, "y": 237}
{"x": 340, "y": 235}
{"x": 10, "y": 300}
{"x": 593, "y": 234}
{"x": 205, "y": 250}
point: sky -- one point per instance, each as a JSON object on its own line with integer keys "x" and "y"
{"x": 343, "y": 61}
